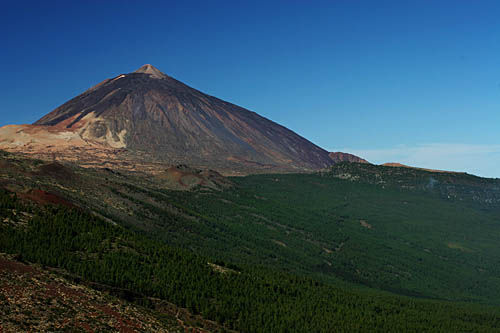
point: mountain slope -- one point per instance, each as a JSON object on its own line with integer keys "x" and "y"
{"x": 140, "y": 269}
{"x": 406, "y": 231}
{"x": 157, "y": 118}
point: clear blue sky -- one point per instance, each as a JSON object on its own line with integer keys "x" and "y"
{"x": 416, "y": 82}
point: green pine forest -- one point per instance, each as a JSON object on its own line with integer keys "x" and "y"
{"x": 354, "y": 248}
{"x": 245, "y": 298}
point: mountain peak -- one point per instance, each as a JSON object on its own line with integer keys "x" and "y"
{"x": 157, "y": 119}
{"x": 151, "y": 70}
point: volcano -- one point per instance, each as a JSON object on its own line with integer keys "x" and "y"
{"x": 147, "y": 116}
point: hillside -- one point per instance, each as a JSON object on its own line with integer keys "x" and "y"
{"x": 145, "y": 271}
{"x": 452, "y": 186}
{"x": 380, "y": 231}
{"x": 36, "y": 299}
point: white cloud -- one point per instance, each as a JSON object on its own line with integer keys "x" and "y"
{"x": 479, "y": 159}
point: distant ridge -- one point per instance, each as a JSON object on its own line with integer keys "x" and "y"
{"x": 399, "y": 165}
{"x": 346, "y": 157}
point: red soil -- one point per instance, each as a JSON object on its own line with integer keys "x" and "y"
{"x": 13, "y": 266}
{"x": 45, "y": 198}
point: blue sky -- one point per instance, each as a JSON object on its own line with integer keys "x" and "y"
{"x": 416, "y": 82}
